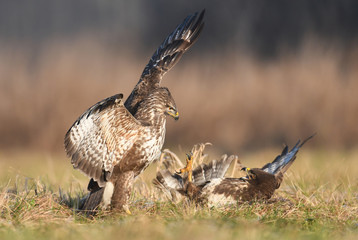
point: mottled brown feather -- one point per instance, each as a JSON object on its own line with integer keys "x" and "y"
{"x": 93, "y": 141}
{"x": 112, "y": 142}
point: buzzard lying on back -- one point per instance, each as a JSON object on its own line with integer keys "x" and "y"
{"x": 114, "y": 141}
{"x": 207, "y": 185}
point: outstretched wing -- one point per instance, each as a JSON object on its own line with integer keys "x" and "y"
{"x": 165, "y": 57}
{"x": 101, "y": 137}
{"x": 215, "y": 169}
{"x": 283, "y": 161}
{"x": 165, "y": 180}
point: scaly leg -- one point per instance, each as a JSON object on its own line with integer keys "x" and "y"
{"x": 188, "y": 168}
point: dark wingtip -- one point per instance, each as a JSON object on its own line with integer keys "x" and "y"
{"x": 310, "y": 137}
{"x": 201, "y": 16}
{"x": 198, "y": 25}
{"x": 284, "y": 150}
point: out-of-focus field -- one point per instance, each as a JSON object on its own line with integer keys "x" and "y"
{"x": 228, "y": 98}
{"x": 317, "y": 200}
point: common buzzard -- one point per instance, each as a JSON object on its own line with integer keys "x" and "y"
{"x": 114, "y": 141}
{"x": 207, "y": 184}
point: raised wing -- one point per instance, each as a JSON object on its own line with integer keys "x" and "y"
{"x": 165, "y": 180}
{"x": 283, "y": 161}
{"x": 101, "y": 137}
{"x": 165, "y": 57}
{"x": 215, "y": 169}
{"x": 202, "y": 174}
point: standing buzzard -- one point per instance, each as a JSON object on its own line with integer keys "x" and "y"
{"x": 207, "y": 185}
{"x": 114, "y": 141}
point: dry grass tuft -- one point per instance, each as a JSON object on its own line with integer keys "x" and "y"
{"x": 24, "y": 206}
{"x": 317, "y": 200}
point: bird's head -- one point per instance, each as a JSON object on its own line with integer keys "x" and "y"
{"x": 257, "y": 176}
{"x": 172, "y": 111}
{"x": 251, "y": 175}
{"x": 169, "y": 104}
{"x": 160, "y": 101}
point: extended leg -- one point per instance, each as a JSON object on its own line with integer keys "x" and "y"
{"x": 188, "y": 168}
{"x": 123, "y": 186}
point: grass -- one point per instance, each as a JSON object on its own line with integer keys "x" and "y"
{"x": 318, "y": 200}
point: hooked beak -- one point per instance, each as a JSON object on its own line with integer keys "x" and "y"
{"x": 250, "y": 175}
{"x": 174, "y": 114}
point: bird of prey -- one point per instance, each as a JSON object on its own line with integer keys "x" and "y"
{"x": 115, "y": 140}
{"x": 206, "y": 185}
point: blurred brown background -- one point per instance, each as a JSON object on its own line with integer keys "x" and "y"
{"x": 262, "y": 73}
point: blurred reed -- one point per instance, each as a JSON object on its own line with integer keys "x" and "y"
{"x": 229, "y": 98}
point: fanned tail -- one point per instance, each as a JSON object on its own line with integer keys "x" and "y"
{"x": 283, "y": 161}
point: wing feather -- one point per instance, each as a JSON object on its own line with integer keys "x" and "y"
{"x": 101, "y": 137}
{"x": 213, "y": 170}
{"x": 283, "y": 161}
{"x": 165, "y": 57}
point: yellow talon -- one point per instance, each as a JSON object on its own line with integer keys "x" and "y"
{"x": 126, "y": 209}
{"x": 188, "y": 168}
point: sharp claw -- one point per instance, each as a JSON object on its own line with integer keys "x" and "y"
{"x": 188, "y": 167}
{"x": 126, "y": 209}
